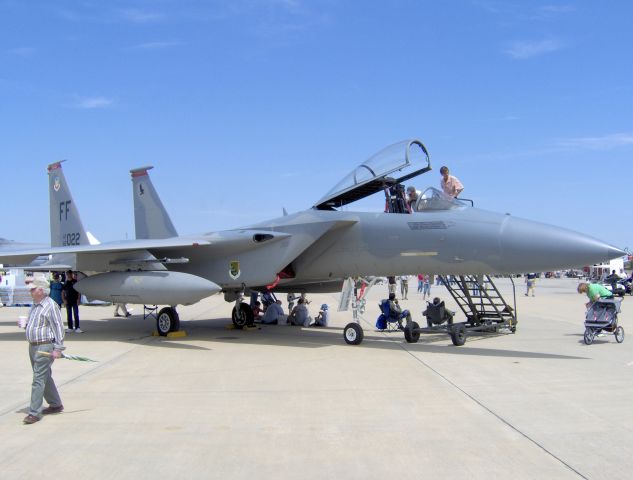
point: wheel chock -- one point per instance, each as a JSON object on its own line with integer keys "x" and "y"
{"x": 178, "y": 334}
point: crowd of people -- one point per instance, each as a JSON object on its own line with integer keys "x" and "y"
{"x": 271, "y": 312}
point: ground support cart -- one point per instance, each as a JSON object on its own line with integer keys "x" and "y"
{"x": 485, "y": 309}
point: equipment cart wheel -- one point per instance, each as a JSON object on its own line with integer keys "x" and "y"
{"x": 242, "y": 316}
{"x": 353, "y": 333}
{"x": 411, "y": 335}
{"x": 458, "y": 335}
{"x": 619, "y": 334}
{"x": 589, "y": 336}
{"x": 167, "y": 321}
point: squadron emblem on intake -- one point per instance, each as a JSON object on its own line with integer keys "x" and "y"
{"x": 234, "y": 269}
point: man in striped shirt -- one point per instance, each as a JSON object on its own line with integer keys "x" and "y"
{"x": 45, "y": 333}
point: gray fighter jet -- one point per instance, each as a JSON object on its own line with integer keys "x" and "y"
{"x": 314, "y": 250}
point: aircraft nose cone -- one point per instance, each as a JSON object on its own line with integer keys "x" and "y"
{"x": 536, "y": 247}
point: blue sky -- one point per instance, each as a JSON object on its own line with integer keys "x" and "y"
{"x": 248, "y": 106}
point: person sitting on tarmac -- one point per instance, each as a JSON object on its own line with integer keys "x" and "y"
{"x": 323, "y": 318}
{"x": 274, "y": 314}
{"x": 257, "y": 310}
{"x": 300, "y": 315}
{"x": 396, "y": 312}
{"x": 436, "y": 313}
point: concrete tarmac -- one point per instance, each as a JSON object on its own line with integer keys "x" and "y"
{"x": 289, "y": 402}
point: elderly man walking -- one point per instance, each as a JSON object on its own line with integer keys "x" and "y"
{"x": 45, "y": 333}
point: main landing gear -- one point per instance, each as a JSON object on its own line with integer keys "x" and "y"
{"x": 167, "y": 321}
{"x": 242, "y": 315}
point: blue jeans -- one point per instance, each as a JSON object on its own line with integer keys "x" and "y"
{"x": 69, "y": 315}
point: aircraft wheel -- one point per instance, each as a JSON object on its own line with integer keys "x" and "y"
{"x": 458, "y": 335}
{"x": 619, "y": 334}
{"x": 167, "y": 321}
{"x": 411, "y": 335}
{"x": 243, "y": 316}
{"x": 353, "y": 333}
{"x": 588, "y": 336}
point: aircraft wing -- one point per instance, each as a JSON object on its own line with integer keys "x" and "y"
{"x": 147, "y": 253}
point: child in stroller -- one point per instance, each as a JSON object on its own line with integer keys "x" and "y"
{"x": 436, "y": 313}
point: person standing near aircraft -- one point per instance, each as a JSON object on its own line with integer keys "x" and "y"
{"x": 450, "y": 184}
{"x": 70, "y": 296}
{"x": 45, "y": 333}
{"x": 426, "y": 287}
{"x": 121, "y": 307}
{"x": 56, "y": 288}
{"x": 391, "y": 281}
{"x": 291, "y": 301}
{"x": 404, "y": 286}
{"x": 530, "y": 283}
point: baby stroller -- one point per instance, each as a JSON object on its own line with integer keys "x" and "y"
{"x": 602, "y": 316}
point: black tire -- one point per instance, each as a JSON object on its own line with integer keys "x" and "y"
{"x": 242, "y": 317}
{"x": 411, "y": 335}
{"x": 588, "y": 336}
{"x": 353, "y": 334}
{"x": 458, "y": 335}
{"x": 619, "y": 334}
{"x": 167, "y": 321}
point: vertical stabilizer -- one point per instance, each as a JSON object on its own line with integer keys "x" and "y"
{"x": 150, "y": 217}
{"x": 66, "y": 226}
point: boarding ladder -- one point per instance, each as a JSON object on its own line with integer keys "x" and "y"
{"x": 480, "y": 300}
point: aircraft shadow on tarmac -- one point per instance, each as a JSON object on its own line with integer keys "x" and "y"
{"x": 130, "y": 330}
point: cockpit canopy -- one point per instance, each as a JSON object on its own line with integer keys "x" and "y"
{"x": 434, "y": 199}
{"x": 394, "y": 164}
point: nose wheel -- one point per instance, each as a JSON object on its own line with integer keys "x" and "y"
{"x": 353, "y": 334}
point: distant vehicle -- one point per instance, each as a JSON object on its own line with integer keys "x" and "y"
{"x": 574, "y": 274}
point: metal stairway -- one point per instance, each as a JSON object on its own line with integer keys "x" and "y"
{"x": 480, "y": 300}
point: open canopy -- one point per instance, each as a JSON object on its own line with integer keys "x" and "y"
{"x": 394, "y": 164}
